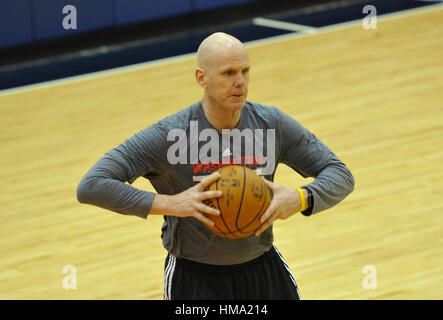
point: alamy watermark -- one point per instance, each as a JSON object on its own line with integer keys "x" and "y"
{"x": 70, "y": 17}
{"x": 370, "y": 21}
{"x": 370, "y": 281}
{"x": 70, "y": 280}
{"x": 248, "y": 147}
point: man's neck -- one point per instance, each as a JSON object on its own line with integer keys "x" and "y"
{"x": 219, "y": 117}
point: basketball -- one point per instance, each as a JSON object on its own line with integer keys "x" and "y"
{"x": 245, "y": 198}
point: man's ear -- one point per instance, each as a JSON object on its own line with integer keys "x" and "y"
{"x": 200, "y": 76}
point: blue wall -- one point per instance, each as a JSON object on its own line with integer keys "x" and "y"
{"x": 24, "y": 21}
{"x": 16, "y": 22}
{"x": 137, "y": 11}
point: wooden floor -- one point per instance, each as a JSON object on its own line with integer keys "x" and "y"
{"x": 374, "y": 96}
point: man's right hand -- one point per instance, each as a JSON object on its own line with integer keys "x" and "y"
{"x": 189, "y": 203}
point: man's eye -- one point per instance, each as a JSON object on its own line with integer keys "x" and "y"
{"x": 229, "y": 73}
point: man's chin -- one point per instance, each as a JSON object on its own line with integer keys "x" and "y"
{"x": 237, "y": 105}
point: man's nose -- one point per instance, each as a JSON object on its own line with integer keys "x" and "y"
{"x": 240, "y": 80}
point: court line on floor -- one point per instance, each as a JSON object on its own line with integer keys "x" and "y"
{"x": 254, "y": 43}
{"x": 288, "y": 26}
{"x": 347, "y": 24}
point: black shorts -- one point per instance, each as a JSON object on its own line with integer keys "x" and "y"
{"x": 266, "y": 277}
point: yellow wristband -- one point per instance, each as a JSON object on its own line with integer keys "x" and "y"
{"x": 303, "y": 205}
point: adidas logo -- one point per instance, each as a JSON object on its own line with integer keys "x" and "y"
{"x": 227, "y": 153}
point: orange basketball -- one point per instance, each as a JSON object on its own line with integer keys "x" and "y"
{"x": 245, "y": 198}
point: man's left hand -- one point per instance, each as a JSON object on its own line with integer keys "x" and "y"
{"x": 285, "y": 203}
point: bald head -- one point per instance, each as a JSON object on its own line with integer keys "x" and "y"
{"x": 223, "y": 72}
{"x": 217, "y": 44}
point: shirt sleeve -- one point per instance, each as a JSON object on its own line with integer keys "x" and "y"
{"x": 104, "y": 185}
{"x": 306, "y": 154}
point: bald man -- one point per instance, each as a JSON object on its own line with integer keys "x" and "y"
{"x": 180, "y": 154}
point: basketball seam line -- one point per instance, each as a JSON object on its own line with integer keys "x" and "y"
{"x": 221, "y": 213}
{"x": 259, "y": 212}
{"x": 241, "y": 201}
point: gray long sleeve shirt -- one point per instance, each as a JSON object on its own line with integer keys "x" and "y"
{"x": 178, "y": 151}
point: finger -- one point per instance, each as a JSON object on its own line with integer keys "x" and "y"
{"x": 207, "y": 181}
{"x": 268, "y": 213}
{"x": 209, "y": 195}
{"x": 204, "y": 219}
{"x": 263, "y": 227}
{"x": 269, "y": 183}
{"x": 207, "y": 209}
{"x": 266, "y": 219}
